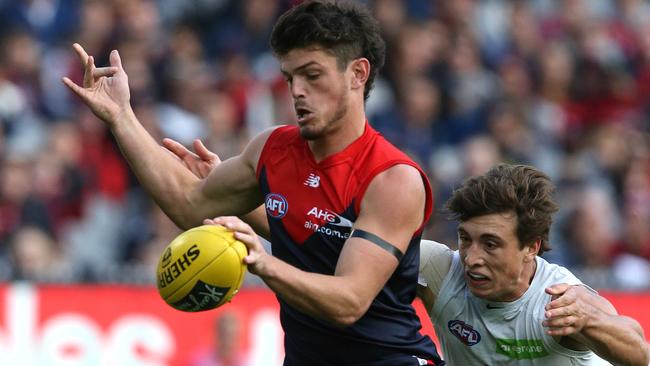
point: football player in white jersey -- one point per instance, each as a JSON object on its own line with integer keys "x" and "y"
{"x": 496, "y": 302}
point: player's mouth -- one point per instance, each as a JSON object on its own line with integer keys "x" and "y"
{"x": 476, "y": 279}
{"x": 303, "y": 114}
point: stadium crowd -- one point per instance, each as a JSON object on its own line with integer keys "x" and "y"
{"x": 561, "y": 85}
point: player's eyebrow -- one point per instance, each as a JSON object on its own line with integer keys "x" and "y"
{"x": 491, "y": 236}
{"x": 299, "y": 68}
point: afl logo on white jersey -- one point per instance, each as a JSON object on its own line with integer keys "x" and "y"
{"x": 464, "y": 332}
{"x": 276, "y": 205}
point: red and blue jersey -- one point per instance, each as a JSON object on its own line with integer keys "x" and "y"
{"x": 311, "y": 208}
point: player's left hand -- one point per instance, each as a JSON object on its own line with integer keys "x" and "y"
{"x": 570, "y": 310}
{"x": 200, "y": 163}
{"x": 244, "y": 233}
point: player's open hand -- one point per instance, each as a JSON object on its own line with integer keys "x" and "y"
{"x": 570, "y": 310}
{"x": 244, "y": 233}
{"x": 105, "y": 89}
{"x": 200, "y": 163}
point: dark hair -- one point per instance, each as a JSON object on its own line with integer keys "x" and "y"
{"x": 519, "y": 188}
{"x": 345, "y": 29}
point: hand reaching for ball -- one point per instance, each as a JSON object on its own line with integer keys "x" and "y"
{"x": 244, "y": 233}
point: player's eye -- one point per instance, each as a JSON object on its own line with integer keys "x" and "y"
{"x": 491, "y": 244}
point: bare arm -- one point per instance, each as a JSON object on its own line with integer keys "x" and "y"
{"x": 590, "y": 320}
{"x": 186, "y": 199}
{"x": 393, "y": 209}
{"x": 201, "y": 163}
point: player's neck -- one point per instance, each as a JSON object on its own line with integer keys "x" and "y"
{"x": 529, "y": 275}
{"x": 525, "y": 280}
{"x": 343, "y": 133}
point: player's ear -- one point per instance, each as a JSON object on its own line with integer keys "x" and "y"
{"x": 360, "y": 72}
{"x": 533, "y": 249}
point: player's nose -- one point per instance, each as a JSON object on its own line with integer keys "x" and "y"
{"x": 472, "y": 255}
{"x": 297, "y": 88}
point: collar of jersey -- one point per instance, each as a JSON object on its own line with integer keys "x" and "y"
{"x": 349, "y": 153}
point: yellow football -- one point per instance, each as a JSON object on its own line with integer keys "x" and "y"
{"x": 201, "y": 269}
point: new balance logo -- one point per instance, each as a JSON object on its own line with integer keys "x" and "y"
{"x": 313, "y": 181}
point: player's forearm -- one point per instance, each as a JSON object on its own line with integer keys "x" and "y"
{"x": 326, "y": 297}
{"x": 618, "y": 339}
{"x": 166, "y": 180}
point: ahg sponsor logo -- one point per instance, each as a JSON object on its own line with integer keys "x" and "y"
{"x": 276, "y": 205}
{"x": 464, "y": 332}
{"x": 329, "y": 217}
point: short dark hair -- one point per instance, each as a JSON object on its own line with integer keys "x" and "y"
{"x": 345, "y": 29}
{"x": 522, "y": 189}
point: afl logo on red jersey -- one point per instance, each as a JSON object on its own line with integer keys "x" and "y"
{"x": 276, "y": 205}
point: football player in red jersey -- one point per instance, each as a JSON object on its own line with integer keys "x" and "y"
{"x": 341, "y": 196}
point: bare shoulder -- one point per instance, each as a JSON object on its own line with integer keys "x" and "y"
{"x": 393, "y": 206}
{"x": 253, "y": 150}
{"x": 397, "y": 190}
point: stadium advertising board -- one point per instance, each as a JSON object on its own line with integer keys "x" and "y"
{"x": 132, "y": 326}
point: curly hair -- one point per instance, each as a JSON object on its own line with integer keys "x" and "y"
{"x": 345, "y": 29}
{"x": 521, "y": 189}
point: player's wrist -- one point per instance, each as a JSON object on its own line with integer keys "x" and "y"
{"x": 122, "y": 117}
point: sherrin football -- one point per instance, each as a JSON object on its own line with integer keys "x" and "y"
{"x": 201, "y": 269}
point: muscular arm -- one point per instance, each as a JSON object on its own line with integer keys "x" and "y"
{"x": 231, "y": 188}
{"x": 393, "y": 209}
{"x": 590, "y": 320}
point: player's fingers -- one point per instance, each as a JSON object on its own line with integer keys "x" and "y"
{"x": 88, "y": 72}
{"x": 81, "y": 92}
{"x": 249, "y": 239}
{"x": 83, "y": 56}
{"x": 227, "y": 221}
{"x": 176, "y": 148}
{"x": 115, "y": 59}
{"x": 234, "y": 223}
{"x": 559, "y": 312}
{"x": 250, "y": 259}
{"x": 564, "y": 300}
{"x": 204, "y": 153}
{"x": 103, "y": 71}
{"x": 562, "y": 321}
{"x": 561, "y": 331}
{"x": 557, "y": 289}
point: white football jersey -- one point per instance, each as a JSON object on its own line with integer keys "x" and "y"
{"x": 473, "y": 331}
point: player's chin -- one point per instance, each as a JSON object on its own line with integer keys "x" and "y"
{"x": 309, "y": 132}
{"x": 481, "y": 293}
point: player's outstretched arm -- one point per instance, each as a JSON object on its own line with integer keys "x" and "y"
{"x": 581, "y": 314}
{"x": 392, "y": 209}
{"x": 186, "y": 199}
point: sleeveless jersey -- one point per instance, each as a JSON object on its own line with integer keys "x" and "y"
{"x": 474, "y": 331}
{"x": 311, "y": 208}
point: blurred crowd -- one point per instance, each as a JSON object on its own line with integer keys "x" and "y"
{"x": 562, "y": 85}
